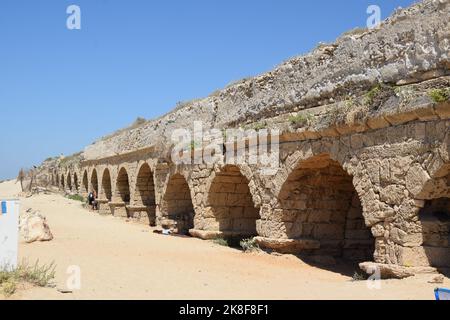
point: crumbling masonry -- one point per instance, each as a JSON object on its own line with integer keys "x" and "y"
{"x": 364, "y": 152}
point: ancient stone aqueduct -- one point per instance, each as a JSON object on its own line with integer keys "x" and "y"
{"x": 364, "y": 152}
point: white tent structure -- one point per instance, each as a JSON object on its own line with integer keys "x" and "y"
{"x": 9, "y": 233}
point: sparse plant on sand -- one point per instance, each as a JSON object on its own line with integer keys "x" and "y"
{"x": 76, "y": 197}
{"x": 249, "y": 245}
{"x": 221, "y": 242}
{"x": 38, "y": 275}
{"x": 357, "y": 276}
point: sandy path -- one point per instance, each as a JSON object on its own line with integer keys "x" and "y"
{"x": 121, "y": 260}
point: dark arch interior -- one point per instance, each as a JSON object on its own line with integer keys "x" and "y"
{"x": 106, "y": 185}
{"x": 94, "y": 181}
{"x": 319, "y": 202}
{"x": 75, "y": 181}
{"x": 63, "y": 185}
{"x": 69, "y": 181}
{"x": 123, "y": 186}
{"x": 232, "y": 204}
{"x": 145, "y": 188}
{"x": 177, "y": 203}
{"x": 435, "y": 221}
{"x": 85, "y": 182}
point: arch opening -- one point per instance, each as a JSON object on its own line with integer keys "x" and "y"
{"x": 123, "y": 187}
{"x": 75, "y": 182}
{"x": 69, "y": 182}
{"x": 231, "y": 203}
{"x": 319, "y": 202}
{"x": 177, "y": 204}
{"x": 106, "y": 185}
{"x": 434, "y": 218}
{"x": 145, "y": 193}
{"x": 63, "y": 185}
{"x": 85, "y": 184}
{"x": 94, "y": 181}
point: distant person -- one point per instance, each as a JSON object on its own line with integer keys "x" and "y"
{"x": 94, "y": 202}
{"x": 91, "y": 199}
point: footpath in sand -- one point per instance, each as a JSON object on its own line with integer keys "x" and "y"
{"x": 120, "y": 260}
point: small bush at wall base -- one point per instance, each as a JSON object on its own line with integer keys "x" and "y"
{"x": 221, "y": 242}
{"x": 76, "y": 197}
{"x": 357, "y": 276}
{"x": 249, "y": 245}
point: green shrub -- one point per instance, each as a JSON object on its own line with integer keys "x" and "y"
{"x": 221, "y": 242}
{"x": 249, "y": 245}
{"x": 9, "y": 287}
{"x": 76, "y": 197}
{"x": 357, "y": 276}
{"x": 301, "y": 119}
{"x": 37, "y": 275}
{"x": 370, "y": 96}
{"x": 440, "y": 95}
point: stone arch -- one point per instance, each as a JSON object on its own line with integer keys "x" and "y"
{"x": 85, "y": 183}
{"x": 122, "y": 191}
{"x": 144, "y": 200}
{"x": 432, "y": 237}
{"x": 318, "y": 202}
{"x": 230, "y": 202}
{"x": 75, "y": 182}
{"x": 94, "y": 181}
{"x": 176, "y": 206}
{"x": 106, "y": 185}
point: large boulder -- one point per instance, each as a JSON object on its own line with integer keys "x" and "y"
{"x": 33, "y": 227}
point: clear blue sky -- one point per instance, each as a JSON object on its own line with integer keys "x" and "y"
{"x": 62, "y": 89}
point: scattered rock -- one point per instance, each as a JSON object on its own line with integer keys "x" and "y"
{"x": 439, "y": 279}
{"x": 390, "y": 271}
{"x": 33, "y": 227}
{"x": 64, "y": 291}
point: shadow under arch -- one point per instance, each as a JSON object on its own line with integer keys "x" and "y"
{"x": 123, "y": 186}
{"x": 176, "y": 205}
{"x": 63, "y": 185}
{"x": 69, "y": 181}
{"x": 75, "y": 182}
{"x": 144, "y": 198}
{"x": 434, "y": 220}
{"x": 85, "y": 183}
{"x": 94, "y": 181}
{"x": 318, "y": 202}
{"x": 231, "y": 203}
{"x": 106, "y": 185}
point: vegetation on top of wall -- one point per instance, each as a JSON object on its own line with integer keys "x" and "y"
{"x": 440, "y": 95}
{"x": 139, "y": 122}
{"x": 301, "y": 119}
{"x": 69, "y": 159}
{"x": 370, "y": 96}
